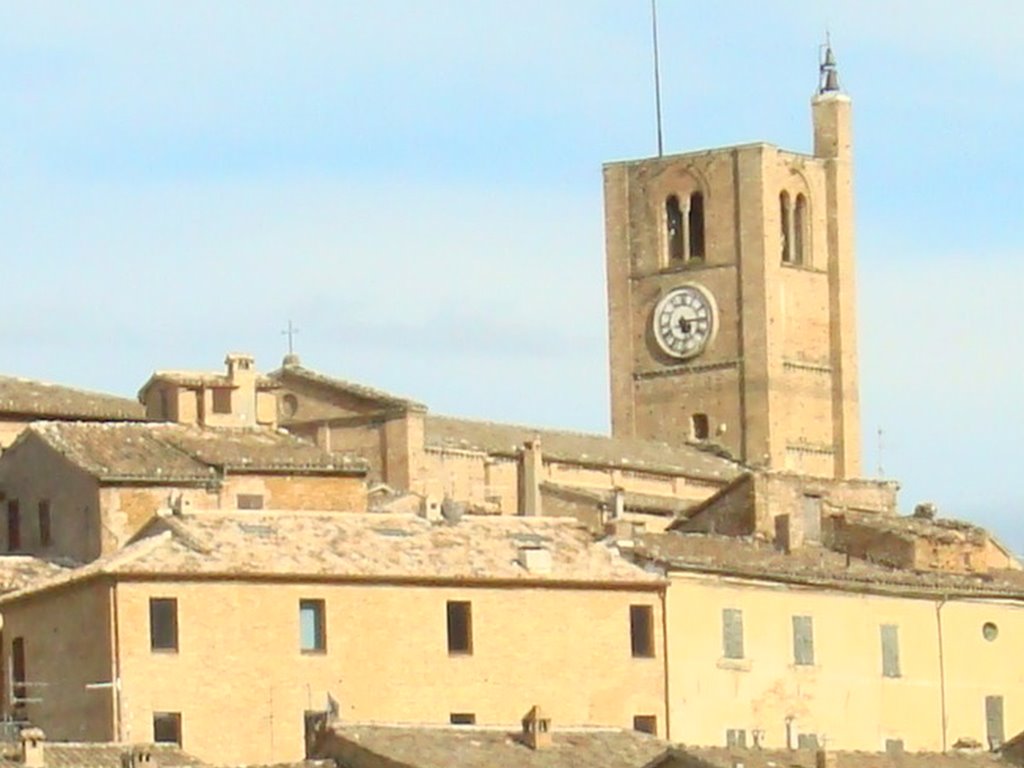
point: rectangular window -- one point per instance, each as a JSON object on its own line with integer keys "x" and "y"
{"x": 44, "y": 524}
{"x": 736, "y": 737}
{"x": 460, "y": 627}
{"x": 13, "y": 526}
{"x": 890, "y": 650}
{"x": 167, "y": 728}
{"x": 646, "y": 724}
{"x": 732, "y": 633}
{"x": 803, "y": 640}
{"x": 312, "y": 631}
{"x": 18, "y": 670}
{"x": 250, "y": 501}
{"x": 641, "y": 630}
{"x": 163, "y": 624}
{"x": 812, "y": 519}
{"x": 462, "y": 718}
{"x": 893, "y": 747}
{"x": 221, "y": 400}
{"x": 700, "y": 427}
{"x": 994, "y": 721}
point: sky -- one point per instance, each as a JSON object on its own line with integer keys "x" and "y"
{"x": 417, "y": 186}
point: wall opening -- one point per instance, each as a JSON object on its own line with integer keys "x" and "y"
{"x": 675, "y": 234}
{"x": 696, "y": 222}
{"x": 700, "y": 426}
{"x": 799, "y": 230}
{"x": 785, "y": 227}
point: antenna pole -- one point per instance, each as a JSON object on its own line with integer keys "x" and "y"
{"x": 657, "y": 74}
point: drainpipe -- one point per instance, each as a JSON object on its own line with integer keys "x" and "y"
{"x": 942, "y": 667}
{"x": 116, "y": 676}
{"x": 664, "y": 652}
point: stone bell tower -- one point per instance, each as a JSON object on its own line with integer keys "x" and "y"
{"x": 731, "y": 297}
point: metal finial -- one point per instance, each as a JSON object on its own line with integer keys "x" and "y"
{"x": 828, "y": 72}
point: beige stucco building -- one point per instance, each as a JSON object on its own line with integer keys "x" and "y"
{"x": 236, "y": 625}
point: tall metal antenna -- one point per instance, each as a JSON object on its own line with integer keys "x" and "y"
{"x": 657, "y": 73}
{"x": 881, "y": 448}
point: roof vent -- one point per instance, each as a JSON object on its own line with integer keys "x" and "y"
{"x": 535, "y": 559}
{"x": 536, "y": 729}
{"x": 32, "y": 741}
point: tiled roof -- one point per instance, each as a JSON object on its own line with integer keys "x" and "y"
{"x": 346, "y": 387}
{"x": 818, "y": 566}
{"x": 23, "y": 571}
{"x": 25, "y": 397}
{"x": 936, "y": 529}
{"x": 362, "y": 746}
{"x": 579, "y": 447}
{"x": 98, "y": 755}
{"x": 668, "y": 506}
{"x": 200, "y": 379}
{"x": 158, "y": 452}
{"x": 366, "y": 547}
{"x": 722, "y": 757}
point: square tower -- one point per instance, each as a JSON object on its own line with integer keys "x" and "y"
{"x": 731, "y": 297}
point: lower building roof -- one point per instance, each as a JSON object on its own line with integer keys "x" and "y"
{"x": 724, "y": 757}
{"x": 39, "y": 399}
{"x": 364, "y": 746}
{"x": 63, "y": 754}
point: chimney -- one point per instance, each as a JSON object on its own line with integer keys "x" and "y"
{"x": 536, "y": 729}
{"x": 535, "y": 559}
{"x": 138, "y": 756}
{"x": 618, "y": 504}
{"x": 825, "y": 759}
{"x": 32, "y": 741}
{"x": 531, "y": 467}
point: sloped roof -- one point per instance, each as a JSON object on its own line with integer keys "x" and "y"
{"x": 723, "y": 757}
{"x": 24, "y": 571}
{"x": 360, "y": 546}
{"x": 579, "y": 447}
{"x": 648, "y": 503}
{"x": 362, "y": 746}
{"x": 159, "y": 452}
{"x": 817, "y": 566}
{"x": 343, "y": 386}
{"x": 201, "y": 379}
{"x": 99, "y": 755}
{"x": 25, "y": 397}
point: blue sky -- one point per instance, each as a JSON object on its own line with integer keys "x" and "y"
{"x": 417, "y": 185}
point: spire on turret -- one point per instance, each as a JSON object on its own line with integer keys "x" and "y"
{"x": 828, "y": 73}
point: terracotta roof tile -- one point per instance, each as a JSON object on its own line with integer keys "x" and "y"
{"x": 354, "y": 546}
{"x": 37, "y": 398}
{"x": 813, "y": 565}
{"x": 579, "y": 447}
{"x": 158, "y": 452}
{"x": 342, "y": 385}
{"x": 722, "y": 757}
{"x": 472, "y": 747}
{"x": 99, "y": 755}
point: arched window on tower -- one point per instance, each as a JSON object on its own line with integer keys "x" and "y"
{"x": 785, "y": 227}
{"x": 696, "y": 226}
{"x": 675, "y": 235}
{"x": 800, "y": 230}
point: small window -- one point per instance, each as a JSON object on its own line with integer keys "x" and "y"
{"x": 460, "y": 627}
{"x": 675, "y": 234}
{"x": 807, "y": 741}
{"x": 222, "y": 400}
{"x": 696, "y": 222}
{"x": 641, "y": 630}
{"x": 736, "y": 737}
{"x": 45, "y": 536}
{"x": 803, "y": 640}
{"x": 13, "y": 526}
{"x": 167, "y": 728}
{"x": 811, "y": 513}
{"x": 785, "y": 221}
{"x": 312, "y": 632}
{"x": 989, "y": 631}
{"x": 894, "y": 747}
{"x": 249, "y": 501}
{"x": 994, "y": 729}
{"x": 163, "y": 624}
{"x": 732, "y": 633}
{"x": 890, "y": 650}
{"x": 462, "y": 718}
{"x": 700, "y": 427}
{"x": 799, "y": 229}
{"x": 18, "y": 690}
{"x": 646, "y": 724}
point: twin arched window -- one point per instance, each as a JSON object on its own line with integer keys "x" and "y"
{"x": 684, "y": 228}
{"x": 793, "y": 224}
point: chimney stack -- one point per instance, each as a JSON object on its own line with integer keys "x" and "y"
{"x": 826, "y": 759}
{"x": 32, "y": 745}
{"x": 138, "y": 756}
{"x": 536, "y": 729}
{"x": 531, "y": 467}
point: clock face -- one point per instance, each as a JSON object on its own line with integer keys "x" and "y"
{"x": 684, "y": 321}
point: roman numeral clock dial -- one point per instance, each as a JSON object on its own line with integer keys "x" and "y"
{"x": 685, "y": 321}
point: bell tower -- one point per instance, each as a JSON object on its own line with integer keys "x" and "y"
{"x": 731, "y": 297}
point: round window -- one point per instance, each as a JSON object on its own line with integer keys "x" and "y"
{"x": 289, "y": 405}
{"x": 990, "y": 631}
